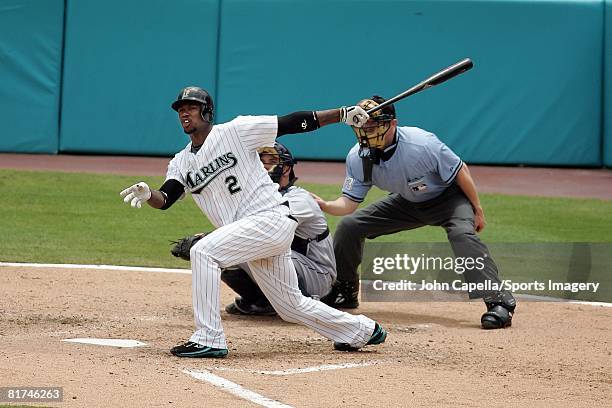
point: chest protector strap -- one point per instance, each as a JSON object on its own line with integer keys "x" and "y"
{"x": 301, "y": 244}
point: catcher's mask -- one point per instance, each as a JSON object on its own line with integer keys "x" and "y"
{"x": 196, "y": 94}
{"x": 278, "y": 157}
{"x": 371, "y": 135}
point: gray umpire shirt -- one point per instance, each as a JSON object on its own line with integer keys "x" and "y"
{"x": 420, "y": 169}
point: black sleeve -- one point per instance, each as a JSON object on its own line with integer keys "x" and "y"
{"x": 297, "y": 122}
{"x": 172, "y": 191}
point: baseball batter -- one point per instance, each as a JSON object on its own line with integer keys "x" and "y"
{"x": 429, "y": 185}
{"x": 221, "y": 169}
{"x": 312, "y": 250}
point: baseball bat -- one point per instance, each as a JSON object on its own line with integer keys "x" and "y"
{"x": 436, "y": 79}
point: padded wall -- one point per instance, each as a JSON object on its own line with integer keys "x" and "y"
{"x": 534, "y": 96}
{"x": 607, "y": 132}
{"x": 31, "y": 33}
{"x": 125, "y": 62}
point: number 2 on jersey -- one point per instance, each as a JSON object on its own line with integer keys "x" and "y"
{"x": 232, "y": 184}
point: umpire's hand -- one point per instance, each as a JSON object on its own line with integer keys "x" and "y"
{"x": 479, "y": 220}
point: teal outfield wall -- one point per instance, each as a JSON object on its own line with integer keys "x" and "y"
{"x": 124, "y": 62}
{"x": 607, "y": 139}
{"x": 535, "y": 96}
{"x": 30, "y": 70}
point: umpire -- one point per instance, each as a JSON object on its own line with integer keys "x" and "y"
{"x": 429, "y": 185}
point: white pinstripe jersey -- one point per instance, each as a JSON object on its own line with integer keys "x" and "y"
{"x": 225, "y": 177}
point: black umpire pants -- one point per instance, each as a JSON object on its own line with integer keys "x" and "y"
{"x": 451, "y": 211}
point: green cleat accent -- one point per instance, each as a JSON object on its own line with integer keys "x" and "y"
{"x": 195, "y": 350}
{"x": 378, "y": 337}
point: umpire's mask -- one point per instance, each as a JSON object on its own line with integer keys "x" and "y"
{"x": 371, "y": 135}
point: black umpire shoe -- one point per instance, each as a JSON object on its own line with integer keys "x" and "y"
{"x": 343, "y": 295}
{"x": 195, "y": 350}
{"x": 378, "y": 336}
{"x": 500, "y": 309}
{"x": 240, "y": 307}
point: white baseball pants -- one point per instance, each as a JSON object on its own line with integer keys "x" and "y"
{"x": 263, "y": 241}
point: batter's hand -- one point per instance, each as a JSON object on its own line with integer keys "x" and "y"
{"x": 136, "y": 194}
{"x": 479, "y": 220}
{"x": 353, "y": 116}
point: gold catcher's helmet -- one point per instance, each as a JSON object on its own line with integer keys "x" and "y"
{"x": 278, "y": 157}
{"x": 371, "y": 134}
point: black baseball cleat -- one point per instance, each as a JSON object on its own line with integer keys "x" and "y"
{"x": 195, "y": 350}
{"x": 343, "y": 295}
{"x": 240, "y": 307}
{"x": 500, "y": 309}
{"x": 379, "y": 336}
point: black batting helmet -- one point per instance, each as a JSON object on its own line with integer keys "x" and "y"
{"x": 196, "y": 94}
{"x": 281, "y": 157}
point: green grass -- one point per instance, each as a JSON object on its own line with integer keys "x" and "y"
{"x": 79, "y": 218}
{"x": 515, "y": 219}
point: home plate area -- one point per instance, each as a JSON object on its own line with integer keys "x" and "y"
{"x": 125, "y": 323}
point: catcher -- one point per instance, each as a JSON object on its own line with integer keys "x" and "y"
{"x": 312, "y": 250}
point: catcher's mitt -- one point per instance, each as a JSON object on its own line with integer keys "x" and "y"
{"x": 182, "y": 246}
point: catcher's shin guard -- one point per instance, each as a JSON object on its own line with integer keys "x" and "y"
{"x": 239, "y": 307}
{"x": 243, "y": 285}
{"x": 500, "y": 308}
{"x": 343, "y": 295}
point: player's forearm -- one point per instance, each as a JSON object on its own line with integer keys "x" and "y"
{"x": 339, "y": 206}
{"x": 157, "y": 199}
{"x": 466, "y": 183}
{"x": 327, "y": 117}
{"x": 307, "y": 121}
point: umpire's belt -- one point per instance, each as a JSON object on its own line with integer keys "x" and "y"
{"x": 442, "y": 198}
{"x": 301, "y": 244}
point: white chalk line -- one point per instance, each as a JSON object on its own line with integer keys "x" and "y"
{"x": 96, "y": 267}
{"x": 187, "y": 271}
{"x": 244, "y": 393}
{"x": 292, "y": 371}
{"x": 559, "y": 300}
{"x": 235, "y": 389}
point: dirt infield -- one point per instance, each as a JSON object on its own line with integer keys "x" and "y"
{"x": 553, "y": 182}
{"x": 556, "y": 354}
